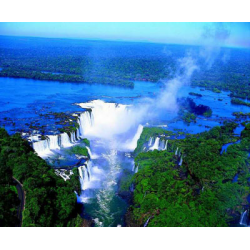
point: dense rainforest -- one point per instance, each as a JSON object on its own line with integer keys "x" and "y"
{"x": 119, "y": 63}
{"x": 193, "y": 182}
{"x": 49, "y": 200}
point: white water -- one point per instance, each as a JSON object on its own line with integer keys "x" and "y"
{"x": 65, "y": 140}
{"x": 112, "y": 130}
{"x": 156, "y": 144}
{"x": 176, "y": 152}
{"x": 85, "y": 175}
{"x": 166, "y": 146}
{"x": 53, "y": 142}
{"x": 243, "y": 219}
{"x": 92, "y": 156}
{"x": 132, "y": 144}
{"x": 42, "y": 147}
{"x": 180, "y": 163}
{"x": 150, "y": 142}
{"x": 107, "y": 120}
{"x": 162, "y": 144}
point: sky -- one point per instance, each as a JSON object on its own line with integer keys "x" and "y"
{"x": 238, "y": 34}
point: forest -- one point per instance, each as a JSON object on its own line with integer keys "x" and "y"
{"x": 49, "y": 200}
{"x": 198, "y": 186}
{"x": 118, "y": 63}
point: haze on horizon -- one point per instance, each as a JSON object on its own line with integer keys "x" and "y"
{"x": 237, "y": 34}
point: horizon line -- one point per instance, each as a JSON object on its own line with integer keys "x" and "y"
{"x": 121, "y": 40}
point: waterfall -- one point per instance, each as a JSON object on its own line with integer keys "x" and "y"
{"x": 146, "y": 223}
{"x": 73, "y": 136}
{"x": 53, "y": 142}
{"x": 244, "y": 219}
{"x": 179, "y": 153}
{"x": 132, "y": 144}
{"x": 106, "y": 120}
{"x": 176, "y": 152}
{"x": 88, "y": 169}
{"x": 150, "y": 141}
{"x": 89, "y": 152}
{"x": 85, "y": 122}
{"x": 65, "y": 141}
{"x": 166, "y": 146}
{"x": 162, "y": 144}
{"x": 156, "y": 144}
{"x": 42, "y": 147}
{"x": 85, "y": 175}
{"x": 91, "y": 155}
{"x": 136, "y": 169}
{"x": 181, "y": 161}
{"x": 133, "y": 167}
{"x": 80, "y": 170}
{"x": 78, "y": 134}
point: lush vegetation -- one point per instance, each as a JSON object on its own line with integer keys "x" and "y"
{"x": 9, "y": 201}
{"x": 240, "y": 115}
{"x": 50, "y": 201}
{"x": 189, "y": 117}
{"x": 146, "y": 134}
{"x": 198, "y": 192}
{"x": 79, "y": 150}
{"x": 239, "y": 102}
{"x": 118, "y": 63}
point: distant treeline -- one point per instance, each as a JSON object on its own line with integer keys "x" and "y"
{"x": 118, "y": 63}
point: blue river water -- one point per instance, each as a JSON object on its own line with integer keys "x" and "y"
{"x": 22, "y": 100}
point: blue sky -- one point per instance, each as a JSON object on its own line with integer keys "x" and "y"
{"x": 174, "y": 33}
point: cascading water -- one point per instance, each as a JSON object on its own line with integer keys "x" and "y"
{"x": 65, "y": 140}
{"x": 244, "y": 218}
{"x": 166, "y": 146}
{"x": 112, "y": 135}
{"x": 73, "y": 137}
{"x": 92, "y": 156}
{"x": 53, "y": 142}
{"x": 136, "y": 169}
{"x": 85, "y": 175}
{"x": 156, "y": 144}
{"x": 42, "y": 147}
{"x": 176, "y": 152}
{"x": 150, "y": 141}
{"x": 112, "y": 130}
{"x": 162, "y": 144}
{"x": 180, "y": 163}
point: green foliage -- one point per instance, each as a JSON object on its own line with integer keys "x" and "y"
{"x": 246, "y": 131}
{"x": 9, "y": 203}
{"x": 78, "y": 150}
{"x": 208, "y": 113}
{"x": 50, "y": 201}
{"x": 239, "y": 102}
{"x": 200, "y": 192}
{"x": 86, "y": 142}
{"x": 240, "y": 115}
{"x": 189, "y": 117}
{"x": 117, "y": 63}
{"x": 146, "y": 134}
{"x": 215, "y": 90}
